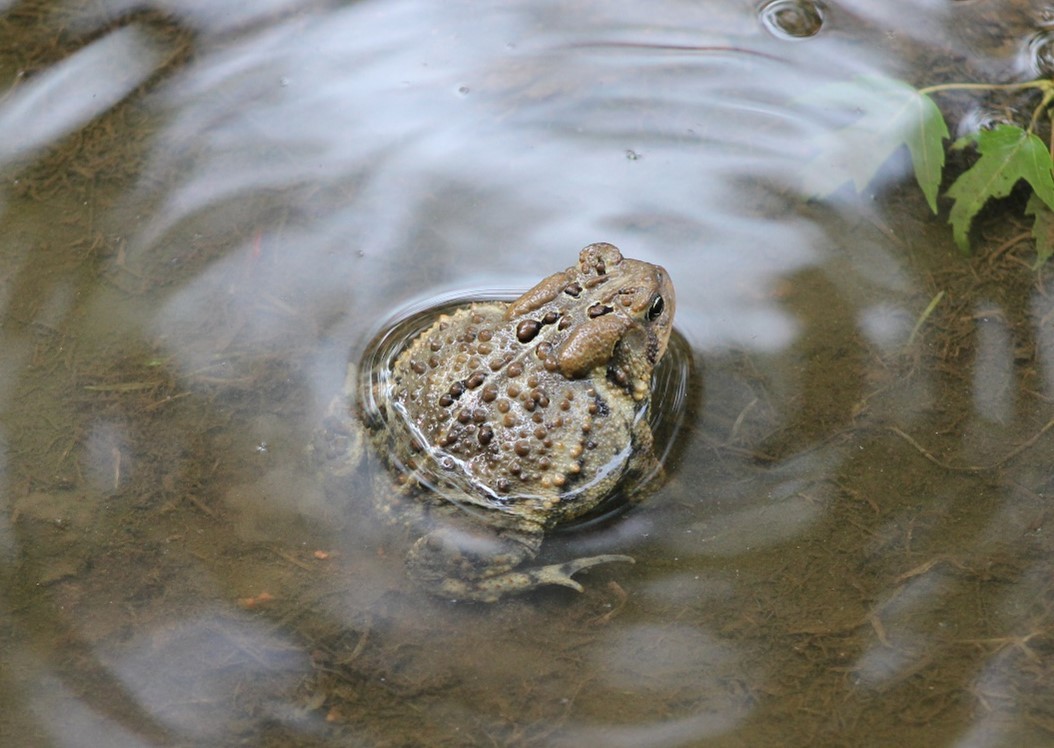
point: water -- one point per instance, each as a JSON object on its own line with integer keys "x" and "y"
{"x": 206, "y": 210}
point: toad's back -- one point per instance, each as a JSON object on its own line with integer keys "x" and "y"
{"x": 533, "y": 407}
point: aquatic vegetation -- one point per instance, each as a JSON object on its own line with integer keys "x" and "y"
{"x": 888, "y": 114}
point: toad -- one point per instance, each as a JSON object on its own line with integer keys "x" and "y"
{"x": 505, "y": 420}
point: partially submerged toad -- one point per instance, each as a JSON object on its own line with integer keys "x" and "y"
{"x": 504, "y": 420}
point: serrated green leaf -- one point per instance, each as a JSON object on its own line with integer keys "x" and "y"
{"x": 1008, "y": 155}
{"x": 925, "y": 138}
{"x": 892, "y": 114}
{"x": 1042, "y": 229}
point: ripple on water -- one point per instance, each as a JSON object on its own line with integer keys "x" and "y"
{"x": 1039, "y": 52}
{"x": 791, "y": 19}
{"x": 667, "y": 410}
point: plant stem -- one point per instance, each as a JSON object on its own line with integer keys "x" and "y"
{"x": 1050, "y": 116}
{"x": 1048, "y": 94}
{"x": 1041, "y": 83}
{"x": 923, "y": 317}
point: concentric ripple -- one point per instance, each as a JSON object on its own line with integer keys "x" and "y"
{"x": 791, "y": 19}
{"x": 666, "y": 410}
{"x": 1039, "y": 52}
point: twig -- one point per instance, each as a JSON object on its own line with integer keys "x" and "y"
{"x": 930, "y": 456}
{"x": 976, "y": 468}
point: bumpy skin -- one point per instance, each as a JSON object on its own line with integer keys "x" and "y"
{"x": 507, "y": 419}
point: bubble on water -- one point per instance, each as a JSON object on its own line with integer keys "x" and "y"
{"x": 981, "y": 117}
{"x": 1039, "y": 53}
{"x": 791, "y": 19}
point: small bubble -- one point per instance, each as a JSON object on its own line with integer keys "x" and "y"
{"x": 791, "y": 19}
{"x": 1040, "y": 53}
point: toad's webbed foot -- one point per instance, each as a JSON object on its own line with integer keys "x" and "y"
{"x": 448, "y": 564}
{"x": 493, "y": 588}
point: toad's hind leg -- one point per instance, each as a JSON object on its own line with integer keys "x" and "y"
{"x": 452, "y": 563}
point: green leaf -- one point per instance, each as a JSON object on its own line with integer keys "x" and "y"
{"x": 892, "y": 114}
{"x": 1008, "y": 155}
{"x": 1042, "y": 229}
{"x": 961, "y": 142}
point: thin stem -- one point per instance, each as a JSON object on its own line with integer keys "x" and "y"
{"x": 1042, "y": 83}
{"x": 1050, "y": 116}
{"x": 1047, "y": 96}
{"x": 923, "y": 317}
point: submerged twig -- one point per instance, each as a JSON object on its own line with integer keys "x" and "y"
{"x": 975, "y": 468}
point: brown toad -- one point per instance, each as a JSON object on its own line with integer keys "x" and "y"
{"x": 506, "y": 419}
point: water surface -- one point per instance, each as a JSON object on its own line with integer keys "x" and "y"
{"x": 208, "y": 210}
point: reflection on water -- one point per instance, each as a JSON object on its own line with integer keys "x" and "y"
{"x": 75, "y": 90}
{"x": 208, "y": 207}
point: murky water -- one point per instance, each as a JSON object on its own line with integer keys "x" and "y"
{"x": 207, "y": 208}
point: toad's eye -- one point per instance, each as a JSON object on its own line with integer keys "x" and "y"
{"x": 656, "y": 308}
